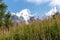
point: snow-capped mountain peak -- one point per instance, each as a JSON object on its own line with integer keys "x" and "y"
{"x": 52, "y": 11}
{"x": 25, "y": 14}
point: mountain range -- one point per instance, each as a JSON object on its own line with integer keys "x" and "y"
{"x": 25, "y": 15}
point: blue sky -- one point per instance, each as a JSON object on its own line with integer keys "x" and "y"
{"x": 38, "y": 7}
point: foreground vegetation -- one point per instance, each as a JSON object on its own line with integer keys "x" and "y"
{"x": 47, "y": 29}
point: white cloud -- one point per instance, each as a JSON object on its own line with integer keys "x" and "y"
{"x": 54, "y": 3}
{"x": 37, "y": 1}
{"x": 51, "y": 2}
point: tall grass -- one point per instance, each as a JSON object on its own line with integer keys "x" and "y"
{"x": 47, "y": 29}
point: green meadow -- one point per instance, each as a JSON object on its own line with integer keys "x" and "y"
{"x": 47, "y": 29}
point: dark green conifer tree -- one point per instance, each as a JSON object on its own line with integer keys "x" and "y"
{"x": 5, "y": 18}
{"x": 2, "y": 12}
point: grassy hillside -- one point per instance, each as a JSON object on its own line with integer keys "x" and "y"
{"x": 48, "y": 29}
